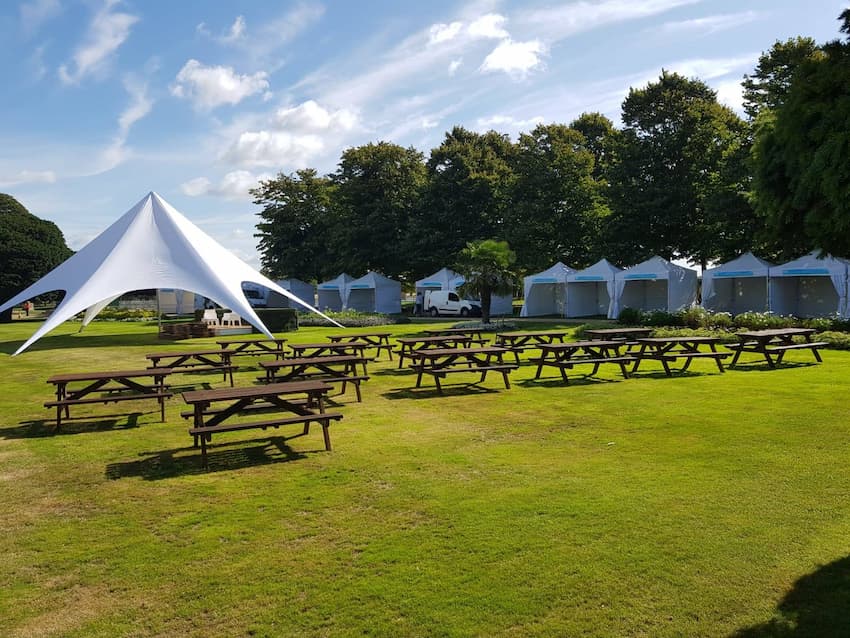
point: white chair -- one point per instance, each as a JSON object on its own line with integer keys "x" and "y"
{"x": 231, "y": 319}
{"x": 210, "y": 317}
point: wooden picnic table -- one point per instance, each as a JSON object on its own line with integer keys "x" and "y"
{"x": 116, "y": 385}
{"x": 772, "y": 344}
{"x": 301, "y": 402}
{"x": 569, "y": 354}
{"x": 516, "y": 342}
{"x": 474, "y": 333}
{"x": 331, "y": 369}
{"x": 628, "y": 335}
{"x": 479, "y": 360}
{"x": 326, "y": 348}
{"x": 668, "y": 349}
{"x": 407, "y": 345}
{"x": 377, "y": 340}
{"x": 195, "y": 361}
{"x": 254, "y": 347}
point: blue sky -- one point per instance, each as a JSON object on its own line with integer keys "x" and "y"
{"x": 105, "y": 100}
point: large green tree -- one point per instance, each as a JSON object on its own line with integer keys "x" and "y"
{"x": 802, "y": 155}
{"x": 556, "y": 202}
{"x": 671, "y": 188}
{"x": 297, "y": 224}
{"x": 486, "y": 265}
{"x": 469, "y": 185}
{"x": 771, "y": 80}
{"x": 378, "y": 191}
{"x": 29, "y": 248}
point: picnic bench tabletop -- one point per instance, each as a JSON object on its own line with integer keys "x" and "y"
{"x": 329, "y": 345}
{"x": 665, "y": 340}
{"x": 775, "y": 332}
{"x": 532, "y": 333}
{"x": 188, "y": 353}
{"x": 590, "y": 343}
{"x": 244, "y": 392}
{"x": 455, "y": 352}
{"x": 307, "y": 361}
{"x": 434, "y": 339}
{"x": 360, "y": 334}
{"x": 452, "y": 331}
{"x": 611, "y": 332}
{"x": 108, "y": 374}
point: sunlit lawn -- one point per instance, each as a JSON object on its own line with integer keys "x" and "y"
{"x": 701, "y": 505}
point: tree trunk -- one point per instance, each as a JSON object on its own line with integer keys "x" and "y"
{"x": 486, "y": 298}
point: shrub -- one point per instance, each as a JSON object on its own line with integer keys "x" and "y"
{"x": 278, "y": 319}
{"x": 353, "y": 319}
{"x": 630, "y": 317}
{"x": 837, "y": 340}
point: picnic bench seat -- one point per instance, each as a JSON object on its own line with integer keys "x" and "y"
{"x": 204, "y": 433}
{"x": 440, "y": 373}
{"x": 110, "y": 398}
{"x": 798, "y": 346}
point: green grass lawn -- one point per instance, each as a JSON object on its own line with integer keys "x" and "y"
{"x": 702, "y": 505}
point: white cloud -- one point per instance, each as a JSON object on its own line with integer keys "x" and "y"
{"x": 106, "y": 33}
{"x": 28, "y": 177}
{"x": 428, "y": 122}
{"x": 310, "y": 117}
{"x": 262, "y": 44}
{"x": 237, "y": 30}
{"x": 234, "y": 185}
{"x": 36, "y": 12}
{"x": 515, "y": 58}
{"x": 140, "y": 105}
{"x": 274, "y": 149}
{"x": 709, "y": 24}
{"x": 488, "y": 26}
{"x": 443, "y": 32}
{"x": 212, "y": 86}
{"x": 713, "y": 68}
{"x": 560, "y": 22}
{"x": 454, "y": 65}
{"x": 730, "y": 93}
{"x": 36, "y": 63}
{"x": 503, "y": 122}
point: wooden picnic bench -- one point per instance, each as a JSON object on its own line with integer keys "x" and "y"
{"x": 300, "y": 402}
{"x": 772, "y": 344}
{"x": 565, "y": 356}
{"x": 331, "y": 369}
{"x": 480, "y": 360}
{"x": 195, "y": 361}
{"x": 519, "y": 341}
{"x": 627, "y": 335}
{"x": 670, "y": 349}
{"x": 254, "y": 347}
{"x": 327, "y": 348}
{"x": 379, "y": 341}
{"x": 408, "y": 345}
{"x": 115, "y": 385}
{"x": 476, "y": 334}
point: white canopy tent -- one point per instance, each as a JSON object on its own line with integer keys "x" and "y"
{"x": 591, "y": 291}
{"x": 443, "y": 279}
{"x": 654, "y": 284}
{"x": 374, "y": 293}
{"x": 300, "y": 289}
{"x": 809, "y": 287}
{"x": 741, "y": 285}
{"x": 151, "y": 246}
{"x": 447, "y": 279}
{"x": 331, "y": 293}
{"x": 545, "y": 293}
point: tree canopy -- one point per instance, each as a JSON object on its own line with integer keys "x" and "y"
{"x": 802, "y": 155}
{"x": 29, "y": 247}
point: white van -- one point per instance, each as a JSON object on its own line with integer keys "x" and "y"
{"x": 446, "y": 302}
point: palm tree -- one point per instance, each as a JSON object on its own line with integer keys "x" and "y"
{"x": 486, "y": 267}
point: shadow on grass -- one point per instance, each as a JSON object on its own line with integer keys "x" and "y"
{"x": 818, "y": 605}
{"x": 236, "y": 455}
{"x": 82, "y": 340}
{"x": 557, "y": 382}
{"x": 449, "y": 390}
{"x": 761, "y": 366}
{"x": 74, "y": 425}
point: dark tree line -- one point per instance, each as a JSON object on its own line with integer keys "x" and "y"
{"x": 685, "y": 177}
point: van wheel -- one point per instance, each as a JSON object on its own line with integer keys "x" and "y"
{"x": 434, "y": 312}
{"x": 464, "y": 312}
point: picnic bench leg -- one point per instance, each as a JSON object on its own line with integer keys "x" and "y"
{"x": 735, "y": 357}
{"x": 419, "y": 377}
{"x": 539, "y": 370}
{"x": 817, "y": 355}
{"x": 507, "y": 381}
{"x": 770, "y": 361}
{"x": 666, "y": 366}
{"x": 624, "y": 370}
{"x": 437, "y": 381}
{"x": 204, "y": 452}
{"x": 326, "y": 433}
{"x": 357, "y": 391}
